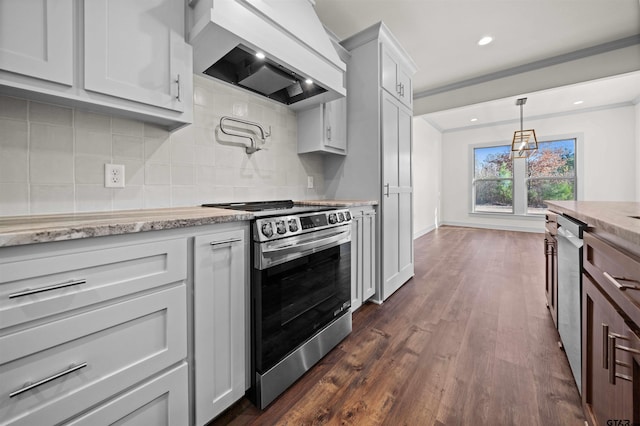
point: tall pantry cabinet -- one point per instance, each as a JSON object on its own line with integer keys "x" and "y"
{"x": 378, "y": 163}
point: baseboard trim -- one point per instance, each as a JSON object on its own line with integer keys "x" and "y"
{"x": 496, "y": 227}
{"x": 422, "y": 232}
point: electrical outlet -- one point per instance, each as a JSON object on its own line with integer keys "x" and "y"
{"x": 309, "y": 182}
{"x": 114, "y": 176}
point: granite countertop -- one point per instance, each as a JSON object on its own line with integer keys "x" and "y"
{"x": 604, "y": 217}
{"x": 20, "y": 230}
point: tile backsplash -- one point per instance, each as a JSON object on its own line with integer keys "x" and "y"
{"x": 52, "y": 158}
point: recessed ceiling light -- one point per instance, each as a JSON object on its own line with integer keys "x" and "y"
{"x": 474, "y": 119}
{"x": 260, "y": 55}
{"x": 485, "y": 40}
{"x": 578, "y": 102}
{"x": 308, "y": 81}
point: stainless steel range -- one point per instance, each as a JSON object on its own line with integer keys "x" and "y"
{"x": 300, "y": 291}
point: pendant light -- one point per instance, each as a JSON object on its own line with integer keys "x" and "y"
{"x": 524, "y": 141}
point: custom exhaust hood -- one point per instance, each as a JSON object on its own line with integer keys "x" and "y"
{"x": 275, "y": 48}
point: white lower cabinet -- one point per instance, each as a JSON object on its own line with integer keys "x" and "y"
{"x": 219, "y": 322}
{"x": 160, "y": 401}
{"x": 84, "y": 321}
{"x": 363, "y": 255}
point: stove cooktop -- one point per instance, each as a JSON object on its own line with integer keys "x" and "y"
{"x": 268, "y": 208}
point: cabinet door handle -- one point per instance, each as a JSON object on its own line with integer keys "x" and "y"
{"x": 402, "y": 90}
{"x": 47, "y": 288}
{"x": 229, "y": 241}
{"x": 622, "y": 287}
{"x": 399, "y": 89}
{"x": 613, "y": 375}
{"x": 386, "y": 189}
{"x": 605, "y": 346}
{"x": 328, "y": 132}
{"x": 69, "y": 370}
{"x": 177, "y": 81}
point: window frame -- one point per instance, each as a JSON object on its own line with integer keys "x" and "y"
{"x": 520, "y": 177}
{"x": 492, "y": 179}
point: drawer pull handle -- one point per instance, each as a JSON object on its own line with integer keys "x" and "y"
{"x": 621, "y": 287}
{"x": 69, "y": 370}
{"x": 47, "y": 288}
{"x": 612, "y": 337}
{"x": 231, "y": 240}
{"x": 605, "y": 351}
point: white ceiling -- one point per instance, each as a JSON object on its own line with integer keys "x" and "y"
{"x": 601, "y": 93}
{"x": 441, "y": 37}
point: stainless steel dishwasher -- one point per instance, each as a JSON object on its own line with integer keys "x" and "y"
{"x": 570, "y": 291}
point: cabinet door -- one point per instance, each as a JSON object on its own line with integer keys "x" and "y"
{"x": 36, "y": 39}
{"x": 368, "y": 255}
{"x": 395, "y": 79}
{"x": 601, "y": 398}
{"x": 356, "y": 259}
{"x": 135, "y": 50}
{"x": 396, "y": 200}
{"x": 219, "y": 322}
{"x": 335, "y": 115}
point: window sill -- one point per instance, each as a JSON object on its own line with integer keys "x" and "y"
{"x": 534, "y": 217}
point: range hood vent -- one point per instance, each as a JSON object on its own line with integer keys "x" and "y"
{"x": 227, "y": 34}
{"x": 241, "y": 67}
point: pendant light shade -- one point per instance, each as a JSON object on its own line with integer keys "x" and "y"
{"x": 524, "y": 142}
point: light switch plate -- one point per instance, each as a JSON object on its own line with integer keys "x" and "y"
{"x": 309, "y": 182}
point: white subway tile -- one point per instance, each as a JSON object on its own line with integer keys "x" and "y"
{"x": 51, "y": 156}
{"x": 51, "y": 199}
{"x": 183, "y": 196}
{"x": 182, "y": 151}
{"x": 157, "y": 196}
{"x": 133, "y": 170}
{"x": 124, "y": 126}
{"x": 14, "y": 199}
{"x": 90, "y": 169}
{"x": 93, "y": 198}
{"x": 128, "y": 146}
{"x": 182, "y": 174}
{"x": 157, "y": 174}
{"x": 93, "y": 143}
{"x": 91, "y": 121}
{"x": 128, "y": 198}
{"x": 155, "y": 131}
{"x": 205, "y": 155}
{"x": 14, "y": 151}
{"x": 50, "y": 114}
{"x": 157, "y": 150}
{"x": 15, "y": 108}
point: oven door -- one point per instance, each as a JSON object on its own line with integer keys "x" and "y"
{"x": 300, "y": 285}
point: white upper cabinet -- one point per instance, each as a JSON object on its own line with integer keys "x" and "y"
{"x": 36, "y": 39}
{"x": 119, "y": 57}
{"x": 135, "y": 50}
{"x": 323, "y": 128}
{"x": 396, "y": 79}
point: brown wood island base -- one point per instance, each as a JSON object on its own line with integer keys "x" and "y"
{"x": 468, "y": 341}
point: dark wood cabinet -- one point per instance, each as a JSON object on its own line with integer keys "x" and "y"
{"x": 611, "y": 346}
{"x": 551, "y": 264}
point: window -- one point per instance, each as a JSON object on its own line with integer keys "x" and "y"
{"x": 493, "y": 179}
{"x": 551, "y": 174}
{"x": 502, "y": 184}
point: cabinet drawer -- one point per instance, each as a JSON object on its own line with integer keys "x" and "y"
{"x": 61, "y": 279}
{"x": 616, "y": 272}
{"x": 160, "y": 401}
{"x": 116, "y": 347}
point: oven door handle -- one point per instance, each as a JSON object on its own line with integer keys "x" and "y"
{"x": 315, "y": 243}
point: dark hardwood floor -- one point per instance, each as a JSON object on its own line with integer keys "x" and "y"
{"x": 467, "y": 341}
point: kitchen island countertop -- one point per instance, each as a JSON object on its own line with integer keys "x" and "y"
{"x": 617, "y": 221}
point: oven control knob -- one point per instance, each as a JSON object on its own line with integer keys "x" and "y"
{"x": 347, "y": 216}
{"x": 281, "y": 227}
{"x": 293, "y": 225}
{"x": 267, "y": 230}
{"x": 340, "y": 217}
{"x": 333, "y": 218}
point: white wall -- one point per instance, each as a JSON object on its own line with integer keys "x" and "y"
{"x": 606, "y": 162}
{"x": 427, "y": 151}
{"x": 52, "y": 158}
{"x": 638, "y": 151}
